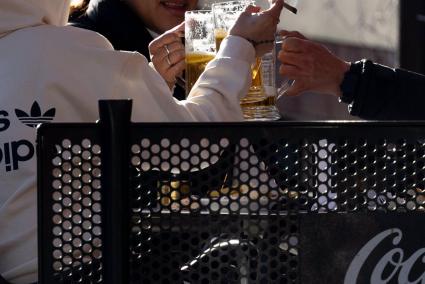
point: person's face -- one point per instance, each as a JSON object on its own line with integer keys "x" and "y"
{"x": 162, "y": 15}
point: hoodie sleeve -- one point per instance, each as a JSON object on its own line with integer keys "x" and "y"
{"x": 215, "y": 97}
{"x": 388, "y": 94}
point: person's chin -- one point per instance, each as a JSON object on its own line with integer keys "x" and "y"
{"x": 170, "y": 22}
{"x": 163, "y": 26}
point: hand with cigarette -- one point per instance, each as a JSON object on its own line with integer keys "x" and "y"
{"x": 257, "y": 27}
{"x": 168, "y": 54}
{"x": 313, "y": 67}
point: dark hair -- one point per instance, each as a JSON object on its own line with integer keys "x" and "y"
{"x": 78, "y": 9}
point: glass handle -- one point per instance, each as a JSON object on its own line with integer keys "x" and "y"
{"x": 284, "y": 87}
{"x": 282, "y": 83}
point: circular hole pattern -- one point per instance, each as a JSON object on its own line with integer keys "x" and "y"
{"x": 229, "y": 198}
{"x": 76, "y": 195}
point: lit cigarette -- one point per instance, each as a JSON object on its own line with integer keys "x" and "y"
{"x": 290, "y": 8}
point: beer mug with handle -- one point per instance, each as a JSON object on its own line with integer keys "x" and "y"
{"x": 199, "y": 44}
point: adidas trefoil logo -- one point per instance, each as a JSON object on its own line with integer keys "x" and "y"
{"x": 35, "y": 117}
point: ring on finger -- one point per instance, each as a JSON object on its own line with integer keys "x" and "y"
{"x": 167, "y": 58}
{"x": 166, "y": 49}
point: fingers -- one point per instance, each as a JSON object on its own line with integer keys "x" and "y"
{"x": 295, "y": 64}
{"x": 164, "y": 39}
{"x": 296, "y": 34}
{"x": 300, "y": 60}
{"x": 178, "y": 30}
{"x": 296, "y": 89}
{"x": 252, "y": 9}
{"x": 176, "y": 57}
{"x": 176, "y": 69}
{"x": 165, "y": 61}
{"x": 275, "y": 9}
{"x": 168, "y": 50}
{"x": 296, "y": 45}
{"x": 297, "y": 58}
{"x": 169, "y": 59}
{"x": 292, "y": 72}
{"x": 258, "y": 27}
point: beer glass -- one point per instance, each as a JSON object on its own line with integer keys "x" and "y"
{"x": 199, "y": 44}
{"x": 260, "y": 102}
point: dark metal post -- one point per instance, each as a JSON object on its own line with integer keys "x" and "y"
{"x": 115, "y": 127}
{"x": 412, "y": 35}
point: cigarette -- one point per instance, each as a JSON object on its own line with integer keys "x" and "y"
{"x": 290, "y": 8}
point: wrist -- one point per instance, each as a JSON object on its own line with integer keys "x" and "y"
{"x": 343, "y": 69}
{"x": 349, "y": 84}
{"x": 236, "y": 47}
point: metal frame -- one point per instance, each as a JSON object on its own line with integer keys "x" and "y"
{"x": 117, "y": 137}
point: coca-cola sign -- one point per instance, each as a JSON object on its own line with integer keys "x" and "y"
{"x": 357, "y": 248}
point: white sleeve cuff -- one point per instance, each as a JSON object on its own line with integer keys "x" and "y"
{"x": 236, "y": 47}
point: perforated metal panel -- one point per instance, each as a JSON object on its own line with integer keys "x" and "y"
{"x": 220, "y": 203}
{"x": 72, "y": 217}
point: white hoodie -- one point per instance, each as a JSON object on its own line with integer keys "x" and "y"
{"x": 52, "y": 72}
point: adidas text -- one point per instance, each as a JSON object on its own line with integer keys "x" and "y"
{"x": 14, "y": 152}
{"x": 4, "y": 121}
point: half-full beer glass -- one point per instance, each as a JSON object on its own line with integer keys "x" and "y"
{"x": 199, "y": 44}
{"x": 260, "y": 102}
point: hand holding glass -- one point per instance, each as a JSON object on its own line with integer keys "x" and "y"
{"x": 259, "y": 103}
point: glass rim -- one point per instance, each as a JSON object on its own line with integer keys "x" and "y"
{"x": 198, "y": 12}
{"x": 239, "y": 2}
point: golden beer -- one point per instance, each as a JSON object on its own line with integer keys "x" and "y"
{"x": 255, "y": 94}
{"x": 195, "y": 65}
{"x": 260, "y": 102}
{"x": 219, "y": 36}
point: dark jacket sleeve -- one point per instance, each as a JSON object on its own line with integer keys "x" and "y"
{"x": 389, "y": 94}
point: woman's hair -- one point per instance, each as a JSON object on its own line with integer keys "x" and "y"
{"x": 78, "y": 8}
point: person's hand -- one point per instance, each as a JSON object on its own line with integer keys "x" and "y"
{"x": 168, "y": 54}
{"x": 313, "y": 67}
{"x": 258, "y": 27}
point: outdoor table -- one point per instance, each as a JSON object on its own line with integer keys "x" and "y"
{"x": 275, "y": 202}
